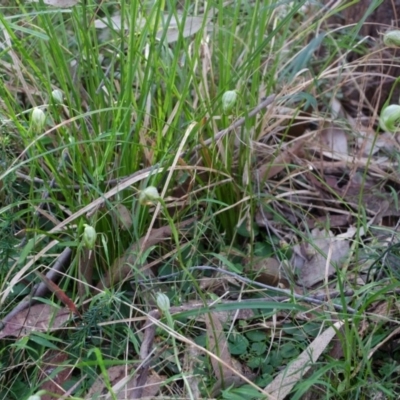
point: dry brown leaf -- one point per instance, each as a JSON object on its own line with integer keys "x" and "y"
{"x": 268, "y": 271}
{"x": 281, "y": 161}
{"x": 311, "y": 259}
{"x": 281, "y": 386}
{"x": 334, "y": 139}
{"x": 192, "y": 362}
{"x": 38, "y": 318}
{"x": 123, "y": 217}
{"x": 218, "y": 344}
{"x": 98, "y": 387}
{"x": 368, "y": 140}
{"x": 153, "y": 385}
{"x": 115, "y": 374}
{"x": 371, "y": 192}
{"x": 58, "y": 3}
{"x": 125, "y": 385}
{"x": 54, "y": 385}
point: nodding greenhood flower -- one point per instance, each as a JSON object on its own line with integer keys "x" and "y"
{"x": 163, "y": 302}
{"x": 389, "y": 119}
{"x": 38, "y": 119}
{"x": 149, "y": 195}
{"x": 89, "y": 236}
{"x": 57, "y": 96}
{"x": 228, "y": 101}
{"x": 392, "y": 38}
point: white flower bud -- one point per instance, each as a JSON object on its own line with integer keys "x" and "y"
{"x": 389, "y": 119}
{"x": 149, "y": 195}
{"x": 228, "y": 101}
{"x": 392, "y": 39}
{"x": 57, "y": 96}
{"x": 163, "y": 302}
{"x": 89, "y": 236}
{"x": 38, "y": 119}
{"x": 38, "y": 395}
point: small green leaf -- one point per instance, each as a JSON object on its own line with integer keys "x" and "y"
{"x": 263, "y": 249}
{"x": 267, "y": 369}
{"x": 228, "y": 395}
{"x": 289, "y": 350}
{"x": 255, "y": 362}
{"x": 258, "y": 348}
{"x": 275, "y": 360}
{"x": 231, "y": 266}
{"x": 241, "y": 393}
{"x": 201, "y": 340}
{"x": 294, "y": 331}
{"x": 312, "y": 329}
{"x": 43, "y": 342}
{"x": 264, "y": 379}
{"x": 256, "y": 336}
{"x": 237, "y": 344}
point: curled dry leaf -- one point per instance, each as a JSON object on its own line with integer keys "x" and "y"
{"x": 38, "y": 318}
{"x": 311, "y": 259}
{"x": 153, "y": 385}
{"x": 218, "y": 345}
{"x": 334, "y": 140}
